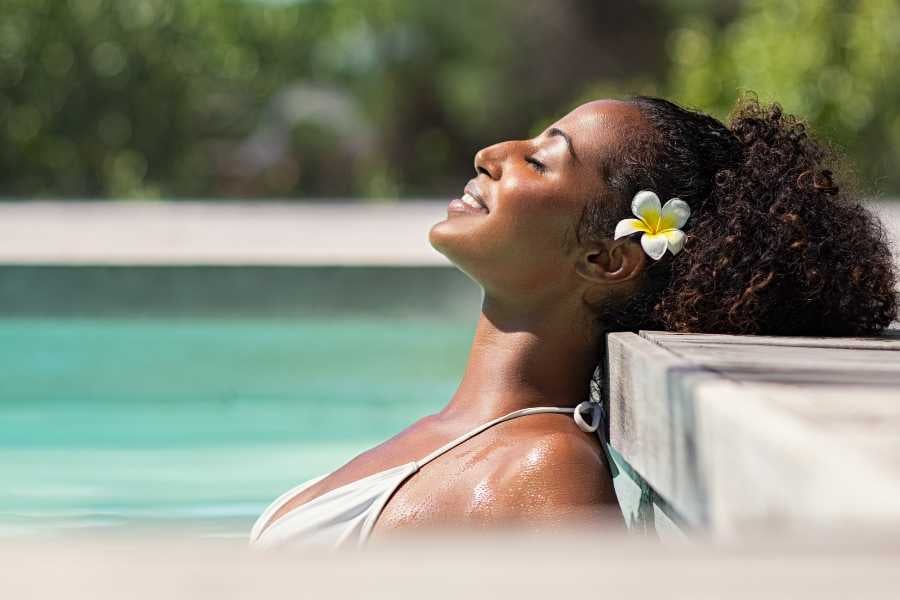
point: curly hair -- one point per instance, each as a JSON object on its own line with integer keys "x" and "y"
{"x": 774, "y": 246}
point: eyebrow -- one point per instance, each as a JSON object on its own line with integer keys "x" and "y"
{"x": 556, "y": 131}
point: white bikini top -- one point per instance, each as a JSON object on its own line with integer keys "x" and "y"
{"x": 348, "y": 513}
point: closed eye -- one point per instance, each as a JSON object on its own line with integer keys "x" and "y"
{"x": 538, "y": 165}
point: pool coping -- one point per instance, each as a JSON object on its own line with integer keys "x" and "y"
{"x": 228, "y": 233}
{"x": 316, "y": 232}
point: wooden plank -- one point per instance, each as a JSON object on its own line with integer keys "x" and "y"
{"x": 888, "y": 340}
{"x": 872, "y": 361}
{"x": 768, "y": 465}
{"x": 739, "y": 434}
{"x": 650, "y": 423}
{"x": 724, "y": 356}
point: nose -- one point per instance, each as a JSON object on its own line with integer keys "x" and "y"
{"x": 490, "y": 160}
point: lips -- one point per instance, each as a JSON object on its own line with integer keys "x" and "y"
{"x": 472, "y": 201}
{"x": 473, "y": 196}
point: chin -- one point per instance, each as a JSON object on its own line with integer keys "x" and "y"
{"x": 441, "y": 236}
{"x": 454, "y": 242}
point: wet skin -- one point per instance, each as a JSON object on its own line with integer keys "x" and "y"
{"x": 536, "y": 343}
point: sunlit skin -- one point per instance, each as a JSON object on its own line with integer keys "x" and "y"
{"x": 536, "y": 340}
{"x": 536, "y": 344}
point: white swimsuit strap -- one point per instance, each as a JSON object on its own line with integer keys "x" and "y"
{"x": 584, "y": 406}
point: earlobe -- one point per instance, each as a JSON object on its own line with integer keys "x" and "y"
{"x": 611, "y": 261}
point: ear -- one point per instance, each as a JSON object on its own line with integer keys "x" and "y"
{"x": 611, "y": 261}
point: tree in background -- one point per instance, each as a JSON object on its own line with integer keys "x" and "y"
{"x": 834, "y": 63}
{"x": 392, "y": 98}
{"x": 219, "y": 98}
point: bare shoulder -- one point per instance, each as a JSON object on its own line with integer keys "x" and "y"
{"x": 564, "y": 465}
{"x": 552, "y": 476}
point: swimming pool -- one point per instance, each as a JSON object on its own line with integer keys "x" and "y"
{"x": 110, "y": 421}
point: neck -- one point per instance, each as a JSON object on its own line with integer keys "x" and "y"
{"x": 521, "y": 358}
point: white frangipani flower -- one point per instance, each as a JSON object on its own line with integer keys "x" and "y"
{"x": 661, "y": 225}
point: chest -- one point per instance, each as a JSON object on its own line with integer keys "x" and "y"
{"x": 455, "y": 489}
{"x": 457, "y": 483}
{"x": 412, "y": 444}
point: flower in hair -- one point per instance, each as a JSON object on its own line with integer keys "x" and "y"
{"x": 661, "y": 226}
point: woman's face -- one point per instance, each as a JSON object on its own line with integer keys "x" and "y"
{"x": 532, "y": 192}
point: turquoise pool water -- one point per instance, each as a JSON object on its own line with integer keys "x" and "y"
{"x": 116, "y": 424}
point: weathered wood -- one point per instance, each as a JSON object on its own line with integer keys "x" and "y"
{"x": 724, "y": 356}
{"x": 795, "y": 458}
{"x": 743, "y": 433}
{"x": 650, "y": 424}
{"x": 889, "y": 339}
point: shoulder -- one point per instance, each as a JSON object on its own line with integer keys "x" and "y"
{"x": 551, "y": 475}
{"x": 564, "y": 464}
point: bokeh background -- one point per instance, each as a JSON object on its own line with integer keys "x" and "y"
{"x": 390, "y": 99}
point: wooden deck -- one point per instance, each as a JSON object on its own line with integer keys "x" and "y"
{"x": 736, "y": 435}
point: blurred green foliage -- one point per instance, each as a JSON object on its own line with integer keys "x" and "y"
{"x": 832, "y": 62}
{"x": 392, "y": 98}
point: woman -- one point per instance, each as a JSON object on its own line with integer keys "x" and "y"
{"x": 567, "y": 236}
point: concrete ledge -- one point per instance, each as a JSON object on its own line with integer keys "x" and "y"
{"x": 739, "y": 434}
{"x": 225, "y": 233}
{"x": 303, "y": 233}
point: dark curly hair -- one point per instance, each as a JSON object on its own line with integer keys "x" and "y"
{"x": 774, "y": 246}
